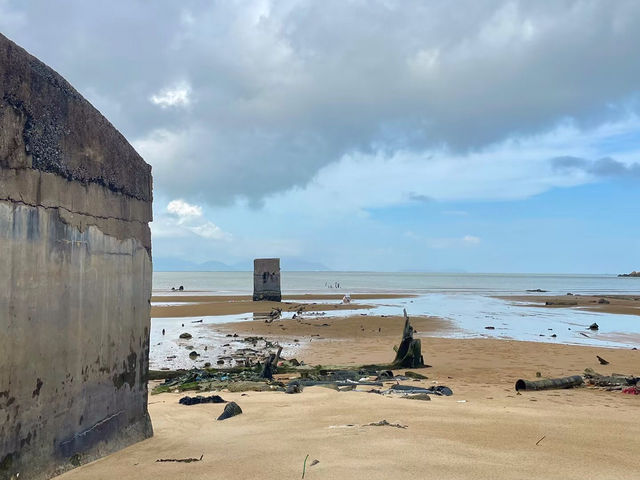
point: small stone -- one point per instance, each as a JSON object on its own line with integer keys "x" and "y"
{"x": 594, "y": 326}
{"x": 185, "y": 335}
{"x": 294, "y": 387}
{"x": 194, "y": 354}
{"x": 231, "y": 409}
{"x": 418, "y": 396}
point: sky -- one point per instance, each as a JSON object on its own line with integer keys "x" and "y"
{"x": 384, "y": 135}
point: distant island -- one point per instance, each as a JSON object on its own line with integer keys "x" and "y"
{"x": 632, "y": 274}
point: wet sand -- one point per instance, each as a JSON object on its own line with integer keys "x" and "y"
{"x": 193, "y": 305}
{"x": 621, "y": 304}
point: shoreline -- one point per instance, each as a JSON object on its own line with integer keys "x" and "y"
{"x": 295, "y": 325}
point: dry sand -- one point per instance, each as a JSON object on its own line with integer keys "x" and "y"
{"x": 484, "y": 431}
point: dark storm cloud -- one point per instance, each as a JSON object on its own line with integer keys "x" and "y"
{"x": 279, "y": 89}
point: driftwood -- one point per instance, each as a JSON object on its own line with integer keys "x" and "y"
{"x": 270, "y": 364}
{"x": 409, "y": 353}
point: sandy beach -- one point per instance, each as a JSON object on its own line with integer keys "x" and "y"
{"x": 485, "y": 430}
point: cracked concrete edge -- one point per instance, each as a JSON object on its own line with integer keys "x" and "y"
{"x": 79, "y": 205}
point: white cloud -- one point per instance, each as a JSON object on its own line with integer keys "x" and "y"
{"x": 183, "y": 219}
{"x": 452, "y": 242}
{"x": 175, "y": 96}
{"x": 184, "y": 209}
{"x": 471, "y": 239}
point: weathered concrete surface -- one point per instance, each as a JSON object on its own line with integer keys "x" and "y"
{"x": 75, "y": 276}
{"x": 266, "y": 279}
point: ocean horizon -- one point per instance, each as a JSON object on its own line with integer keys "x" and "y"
{"x": 295, "y": 282}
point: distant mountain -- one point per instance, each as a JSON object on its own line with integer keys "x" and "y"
{"x": 163, "y": 264}
{"x": 288, "y": 264}
{"x": 292, "y": 264}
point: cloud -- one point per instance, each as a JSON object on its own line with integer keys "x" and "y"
{"x": 419, "y": 198}
{"x": 183, "y": 209}
{"x": 286, "y": 89}
{"x": 471, "y": 240}
{"x": 176, "y": 96}
{"x": 183, "y": 219}
{"x": 453, "y": 242}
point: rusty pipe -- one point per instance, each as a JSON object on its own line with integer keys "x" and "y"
{"x": 550, "y": 383}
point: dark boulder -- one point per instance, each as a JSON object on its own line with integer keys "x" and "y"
{"x": 294, "y": 386}
{"x": 231, "y": 409}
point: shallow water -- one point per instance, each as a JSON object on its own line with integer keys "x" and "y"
{"x": 469, "y": 315}
{"x": 463, "y": 299}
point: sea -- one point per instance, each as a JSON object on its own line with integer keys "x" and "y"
{"x": 241, "y": 283}
{"x": 467, "y": 302}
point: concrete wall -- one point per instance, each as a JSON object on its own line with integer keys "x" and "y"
{"x": 75, "y": 276}
{"x": 266, "y": 279}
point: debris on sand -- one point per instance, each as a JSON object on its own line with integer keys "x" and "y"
{"x": 384, "y": 423}
{"x": 200, "y": 399}
{"x": 182, "y": 460}
{"x": 598, "y": 380}
{"x": 439, "y": 390}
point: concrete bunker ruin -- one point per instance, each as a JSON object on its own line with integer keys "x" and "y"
{"x": 266, "y": 279}
{"x": 75, "y": 276}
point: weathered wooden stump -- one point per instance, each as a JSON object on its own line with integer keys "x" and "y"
{"x": 409, "y": 353}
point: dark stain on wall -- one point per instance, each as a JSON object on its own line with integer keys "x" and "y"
{"x": 36, "y": 392}
{"x": 128, "y": 375}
